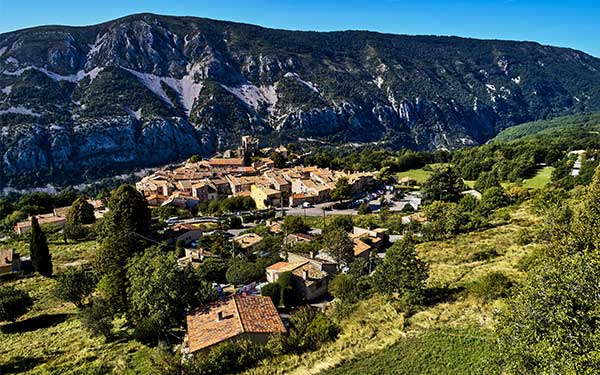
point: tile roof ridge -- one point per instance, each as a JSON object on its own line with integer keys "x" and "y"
{"x": 239, "y": 316}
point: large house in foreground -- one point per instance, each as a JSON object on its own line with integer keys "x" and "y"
{"x": 234, "y": 318}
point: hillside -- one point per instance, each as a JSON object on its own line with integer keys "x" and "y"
{"x": 81, "y": 102}
{"x": 585, "y": 122}
{"x": 452, "y": 335}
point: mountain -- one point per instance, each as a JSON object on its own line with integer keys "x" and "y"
{"x": 80, "y": 102}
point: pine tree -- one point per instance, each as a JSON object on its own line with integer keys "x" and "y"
{"x": 38, "y": 249}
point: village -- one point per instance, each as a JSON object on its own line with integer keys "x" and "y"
{"x": 277, "y": 189}
{"x": 270, "y": 193}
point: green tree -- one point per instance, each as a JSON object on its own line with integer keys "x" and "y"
{"x": 385, "y": 175}
{"x": 492, "y": 199}
{"x": 402, "y": 272}
{"x": 14, "y": 303}
{"x": 444, "y": 184}
{"x": 551, "y": 326}
{"x": 278, "y": 159}
{"x": 342, "y": 190}
{"x": 294, "y": 224}
{"x": 159, "y": 291}
{"x": 119, "y": 236}
{"x": 338, "y": 245}
{"x": 586, "y": 221}
{"x": 444, "y": 219}
{"x": 6, "y": 208}
{"x": 128, "y": 212}
{"x": 213, "y": 269}
{"x": 195, "y": 159}
{"x": 38, "y": 250}
{"x": 75, "y": 285}
{"x": 180, "y": 248}
{"x": 242, "y": 272}
{"x": 341, "y": 221}
{"x": 81, "y": 212}
{"x": 271, "y": 290}
{"x": 288, "y": 296}
{"x": 350, "y": 288}
{"x": 487, "y": 180}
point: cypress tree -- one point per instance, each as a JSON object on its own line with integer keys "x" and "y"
{"x": 38, "y": 249}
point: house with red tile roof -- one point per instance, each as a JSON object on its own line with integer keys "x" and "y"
{"x": 234, "y": 318}
{"x": 310, "y": 281}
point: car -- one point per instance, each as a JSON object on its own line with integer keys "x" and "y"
{"x": 306, "y": 205}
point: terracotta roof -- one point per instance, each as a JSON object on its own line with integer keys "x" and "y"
{"x": 259, "y": 315}
{"x": 314, "y": 274}
{"x": 360, "y": 247}
{"x": 248, "y": 240}
{"x": 239, "y": 314}
{"x": 283, "y": 266}
{"x": 203, "y": 328}
{"x": 274, "y": 227}
{"x": 227, "y": 161}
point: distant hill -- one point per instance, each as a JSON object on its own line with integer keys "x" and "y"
{"x": 563, "y": 124}
{"x": 80, "y": 102}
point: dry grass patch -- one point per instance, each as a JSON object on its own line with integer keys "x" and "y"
{"x": 374, "y": 325}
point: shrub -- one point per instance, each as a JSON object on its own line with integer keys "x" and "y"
{"x": 77, "y": 232}
{"x": 349, "y": 288}
{"x": 225, "y": 358}
{"x": 484, "y": 254}
{"x": 75, "y": 285}
{"x": 271, "y": 290}
{"x": 278, "y": 344}
{"x": 524, "y": 237}
{"x": 311, "y": 329}
{"x": 97, "y": 318}
{"x": 364, "y": 209}
{"x": 492, "y": 286}
{"x": 14, "y": 303}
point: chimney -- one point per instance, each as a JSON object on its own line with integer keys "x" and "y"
{"x": 305, "y": 274}
{"x": 219, "y": 316}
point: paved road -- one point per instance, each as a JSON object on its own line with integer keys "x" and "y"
{"x": 319, "y": 209}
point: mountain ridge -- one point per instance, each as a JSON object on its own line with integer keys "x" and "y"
{"x": 147, "y": 89}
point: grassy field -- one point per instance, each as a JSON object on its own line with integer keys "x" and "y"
{"x": 447, "y": 351}
{"x": 49, "y": 339}
{"x": 541, "y": 179}
{"x": 450, "y": 336}
{"x": 420, "y": 175}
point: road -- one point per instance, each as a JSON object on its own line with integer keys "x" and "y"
{"x": 320, "y": 209}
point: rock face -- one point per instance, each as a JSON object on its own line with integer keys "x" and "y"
{"x": 147, "y": 89}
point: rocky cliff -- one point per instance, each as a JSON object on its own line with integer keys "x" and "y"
{"x": 79, "y": 102}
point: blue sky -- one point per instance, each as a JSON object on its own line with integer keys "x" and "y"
{"x": 557, "y": 22}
